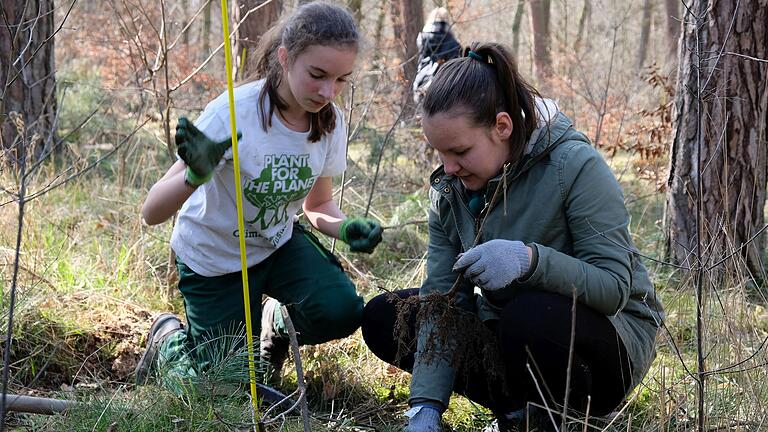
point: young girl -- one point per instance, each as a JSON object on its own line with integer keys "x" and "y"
{"x": 557, "y": 228}
{"x": 293, "y": 142}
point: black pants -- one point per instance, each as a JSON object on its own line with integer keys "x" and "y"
{"x": 540, "y": 322}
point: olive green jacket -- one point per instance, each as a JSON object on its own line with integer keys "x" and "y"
{"x": 562, "y": 200}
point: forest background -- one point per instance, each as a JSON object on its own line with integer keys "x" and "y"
{"x": 673, "y": 93}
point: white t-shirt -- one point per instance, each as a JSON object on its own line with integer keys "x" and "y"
{"x": 277, "y": 170}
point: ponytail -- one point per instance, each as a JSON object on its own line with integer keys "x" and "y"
{"x": 482, "y": 84}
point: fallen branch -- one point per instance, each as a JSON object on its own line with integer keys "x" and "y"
{"x": 37, "y": 405}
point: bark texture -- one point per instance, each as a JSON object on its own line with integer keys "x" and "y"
{"x": 27, "y": 95}
{"x": 718, "y": 157}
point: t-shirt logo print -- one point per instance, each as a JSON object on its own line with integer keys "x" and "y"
{"x": 284, "y": 179}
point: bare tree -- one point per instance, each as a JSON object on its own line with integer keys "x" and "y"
{"x": 542, "y": 57}
{"x": 672, "y": 31}
{"x": 516, "y": 26}
{"x": 257, "y": 17}
{"x": 27, "y": 95}
{"x": 206, "y": 30}
{"x": 586, "y": 13}
{"x": 717, "y": 177}
{"x": 407, "y": 20}
{"x": 356, "y": 7}
{"x": 645, "y": 34}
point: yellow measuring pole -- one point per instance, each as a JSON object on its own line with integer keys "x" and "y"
{"x": 240, "y": 222}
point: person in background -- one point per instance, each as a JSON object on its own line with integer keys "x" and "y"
{"x": 437, "y": 45}
{"x": 293, "y": 142}
{"x": 556, "y": 230}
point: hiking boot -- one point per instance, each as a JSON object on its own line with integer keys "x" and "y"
{"x": 273, "y": 348}
{"x": 163, "y": 326}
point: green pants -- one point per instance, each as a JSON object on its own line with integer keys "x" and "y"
{"x": 302, "y": 275}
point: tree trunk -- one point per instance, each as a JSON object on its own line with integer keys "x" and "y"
{"x": 206, "y": 32}
{"x": 407, "y": 21}
{"x": 184, "y": 20}
{"x": 356, "y": 7}
{"x": 645, "y": 33}
{"x": 672, "y": 31}
{"x": 586, "y": 13}
{"x": 516, "y": 27}
{"x": 718, "y": 157}
{"x": 28, "y": 92}
{"x": 247, "y": 38}
{"x": 542, "y": 57}
{"x": 378, "y": 29}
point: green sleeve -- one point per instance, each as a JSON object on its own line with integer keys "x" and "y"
{"x": 599, "y": 266}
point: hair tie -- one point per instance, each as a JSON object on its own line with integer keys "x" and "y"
{"x": 476, "y": 56}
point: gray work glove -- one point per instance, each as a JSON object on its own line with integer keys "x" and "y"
{"x": 426, "y": 419}
{"x": 495, "y": 264}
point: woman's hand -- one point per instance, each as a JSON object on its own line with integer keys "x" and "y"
{"x": 495, "y": 264}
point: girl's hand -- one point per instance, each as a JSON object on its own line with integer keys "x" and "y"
{"x": 199, "y": 153}
{"x": 361, "y": 234}
{"x": 495, "y": 264}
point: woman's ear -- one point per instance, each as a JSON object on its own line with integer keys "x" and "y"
{"x": 504, "y": 125}
{"x": 282, "y": 57}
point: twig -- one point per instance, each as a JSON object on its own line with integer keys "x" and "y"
{"x": 621, "y": 411}
{"x": 381, "y": 154}
{"x": 541, "y": 395}
{"x": 586, "y": 415}
{"x": 570, "y": 360}
{"x": 40, "y": 45}
{"x": 699, "y": 274}
{"x": 299, "y": 371}
{"x": 635, "y": 251}
{"x": 14, "y": 277}
{"x": 221, "y": 45}
{"x": 737, "y": 250}
{"x": 746, "y": 57}
{"x": 404, "y": 224}
{"x": 346, "y": 156}
{"x": 267, "y": 420}
{"x": 82, "y": 171}
{"x": 104, "y": 411}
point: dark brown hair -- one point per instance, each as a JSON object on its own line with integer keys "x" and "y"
{"x": 315, "y": 23}
{"x": 481, "y": 86}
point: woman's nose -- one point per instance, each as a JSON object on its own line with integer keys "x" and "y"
{"x": 326, "y": 90}
{"x": 450, "y": 165}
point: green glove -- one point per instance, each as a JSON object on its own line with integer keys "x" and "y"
{"x": 362, "y": 235}
{"x": 199, "y": 153}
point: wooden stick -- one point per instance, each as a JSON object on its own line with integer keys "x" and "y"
{"x": 299, "y": 371}
{"x": 37, "y": 405}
